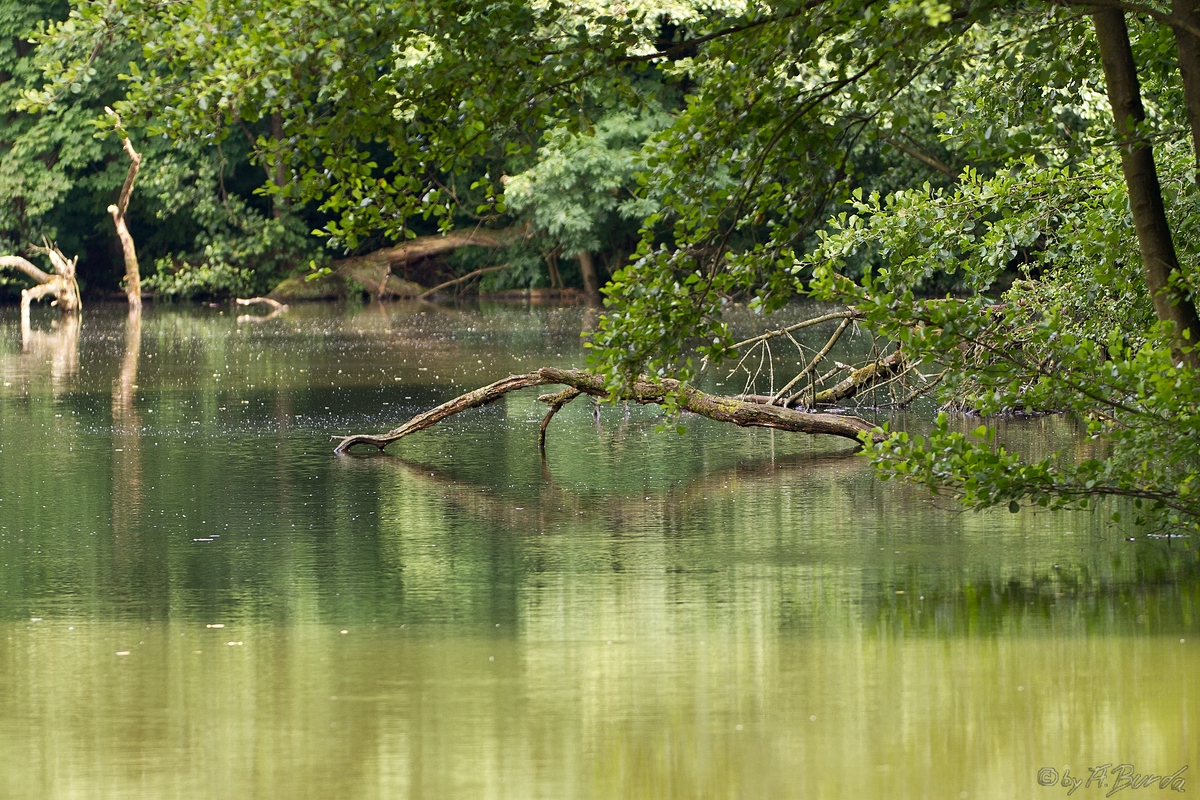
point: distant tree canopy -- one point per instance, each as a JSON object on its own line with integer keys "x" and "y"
{"x": 198, "y": 223}
{"x": 1035, "y": 158}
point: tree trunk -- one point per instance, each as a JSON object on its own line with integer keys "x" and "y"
{"x": 1188, "y": 45}
{"x": 552, "y": 266}
{"x": 1141, "y": 179}
{"x": 280, "y": 176}
{"x": 133, "y": 278}
{"x": 587, "y": 268}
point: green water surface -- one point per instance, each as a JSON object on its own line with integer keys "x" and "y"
{"x": 198, "y": 599}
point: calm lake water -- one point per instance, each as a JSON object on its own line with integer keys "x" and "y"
{"x": 199, "y": 600}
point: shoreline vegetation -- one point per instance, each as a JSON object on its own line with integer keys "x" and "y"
{"x": 1003, "y": 195}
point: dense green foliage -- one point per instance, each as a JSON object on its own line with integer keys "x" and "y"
{"x": 199, "y": 227}
{"x": 872, "y": 152}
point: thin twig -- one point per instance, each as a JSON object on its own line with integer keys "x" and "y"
{"x": 463, "y": 279}
{"x": 824, "y": 351}
{"x": 556, "y": 401}
{"x": 848, "y": 314}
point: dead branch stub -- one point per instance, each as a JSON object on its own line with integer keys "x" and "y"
{"x": 61, "y": 284}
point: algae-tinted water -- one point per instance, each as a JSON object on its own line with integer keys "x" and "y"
{"x": 199, "y": 600}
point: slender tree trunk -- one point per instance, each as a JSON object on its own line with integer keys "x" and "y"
{"x": 280, "y": 175}
{"x": 133, "y": 277}
{"x": 552, "y": 265}
{"x": 1141, "y": 179}
{"x": 1188, "y": 45}
{"x": 587, "y": 268}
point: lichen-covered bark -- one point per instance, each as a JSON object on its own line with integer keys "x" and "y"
{"x": 863, "y": 378}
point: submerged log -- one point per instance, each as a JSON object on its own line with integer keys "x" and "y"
{"x": 643, "y": 391}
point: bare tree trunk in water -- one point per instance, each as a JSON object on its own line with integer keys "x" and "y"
{"x": 133, "y": 278}
{"x": 587, "y": 268}
{"x": 1188, "y": 45}
{"x": 1141, "y": 180}
{"x": 280, "y": 175}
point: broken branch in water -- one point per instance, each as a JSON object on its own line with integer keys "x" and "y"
{"x": 61, "y": 284}
{"x": 837, "y": 334}
{"x": 276, "y": 307}
{"x": 25, "y": 266}
{"x": 264, "y": 301}
{"x": 863, "y": 378}
{"x": 643, "y": 390}
{"x": 873, "y": 374}
{"x": 556, "y": 401}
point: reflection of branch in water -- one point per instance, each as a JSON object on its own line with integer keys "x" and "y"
{"x": 276, "y": 307}
{"x": 937, "y": 598}
{"x": 558, "y": 504}
{"x": 60, "y": 346}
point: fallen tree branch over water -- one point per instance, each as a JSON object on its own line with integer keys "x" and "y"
{"x": 274, "y": 304}
{"x": 643, "y": 391}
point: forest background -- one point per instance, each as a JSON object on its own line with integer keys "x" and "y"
{"x": 1003, "y": 192}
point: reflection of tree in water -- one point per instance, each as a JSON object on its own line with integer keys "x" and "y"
{"x": 696, "y": 525}
{"x": 137, "y": 565}
{"x": 59, "y": 347}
